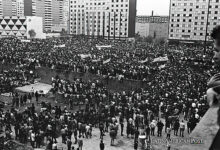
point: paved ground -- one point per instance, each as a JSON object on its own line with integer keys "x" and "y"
{"x": 121, "y": 143}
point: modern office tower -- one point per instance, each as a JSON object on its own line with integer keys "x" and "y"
{"x": 113, "y": 19}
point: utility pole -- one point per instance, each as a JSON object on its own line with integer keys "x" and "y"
{"x": 206, "y": 30}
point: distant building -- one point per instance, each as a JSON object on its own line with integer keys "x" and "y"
{"x": 20, "y": 26}
{"x": 113, "y": 19}
{"x": 55, "y": 13}
{"x": 155, "y": 26}
{"x": 188, "y": 19}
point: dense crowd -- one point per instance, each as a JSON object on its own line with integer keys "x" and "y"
{"x": 172, "y": 89}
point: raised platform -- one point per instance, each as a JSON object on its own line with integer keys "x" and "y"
{"x": 42, "y": 88}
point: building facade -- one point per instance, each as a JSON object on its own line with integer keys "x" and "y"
{"x": 55, "y": 13}
{"x": 20, "y": 26}
{"x": 154, "y": 26}
{"x": 107, "y": 18}
{"x": 190, "y": 19}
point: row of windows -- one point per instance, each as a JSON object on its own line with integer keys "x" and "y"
{"x": 99, "y": 3}
{"x": 195, "y": 23}
{"x": 188, "y": 36}
{"x": 191, "y": 4}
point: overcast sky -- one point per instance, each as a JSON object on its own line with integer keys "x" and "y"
{"x": 160, "y": 7}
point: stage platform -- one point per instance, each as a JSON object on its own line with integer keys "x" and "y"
{"x": 42, "y": 88}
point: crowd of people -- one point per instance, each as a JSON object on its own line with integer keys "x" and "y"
{"x": 172, "y": 89}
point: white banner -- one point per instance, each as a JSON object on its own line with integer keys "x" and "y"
{"x": 103, "y": 46}
{"x": 60, "y": 46}
{"x": 161, "y": 59}
{"x": 107, "y": 61}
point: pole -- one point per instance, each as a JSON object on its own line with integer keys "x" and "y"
{"x": 206, "y": 30}
{"x": 120, "y": 27}
{"x": 169, "y": 20}
{"x": 109, "y": 25}
{"x": 114, "y": 25}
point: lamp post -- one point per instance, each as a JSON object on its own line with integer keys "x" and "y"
{"x": 207, "y": 21}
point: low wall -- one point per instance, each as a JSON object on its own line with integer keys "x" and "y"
{"x": 114, "y": 85}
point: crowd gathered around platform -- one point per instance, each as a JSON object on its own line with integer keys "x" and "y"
{"x": 175, "y": 79}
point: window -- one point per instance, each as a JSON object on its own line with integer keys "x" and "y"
{"x": 216, "y": 12}
{"x": 197, "y": 6}
{"x": 201, "y": 34}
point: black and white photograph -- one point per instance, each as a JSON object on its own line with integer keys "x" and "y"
{"x": 109, "y": 74}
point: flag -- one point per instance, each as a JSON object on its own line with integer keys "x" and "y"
{"x": 143, "y": 61}
{"x": 61, "y": 46}
{"x": 83, "y": 56}
{"x": 162, "y": 66}
{"x": 161, "y": 59}
{"x": 96, "y": 60}
{"x": 107, "y": 61}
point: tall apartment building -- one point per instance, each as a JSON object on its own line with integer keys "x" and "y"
{"x": 189, "y": 19}
{"x": 107, "y": 18}
{"x": 20, "y": 7}
{"x": 54, "y": 13}
{"x": 11, "y": 8}
{"x": 154, "y": 26}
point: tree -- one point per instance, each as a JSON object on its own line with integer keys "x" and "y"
{"x": 149, "y": 39}
{"x": 160, "y": 41}
{"x": 32, "y": 33}
{"x": 63, "y": 32}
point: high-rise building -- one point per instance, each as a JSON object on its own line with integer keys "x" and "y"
{"x": 55, "y": 13}
{"x": 60, "y": 15}
{"x": 28, "y": 7}
{"x": 190, "y": 19}
{"x": 107, "y": 18}
{"x": 20, "y": 7}
{"x": 154, "y": 26}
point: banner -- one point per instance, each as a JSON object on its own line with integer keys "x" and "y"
{"x": 143, "y": 61}
{"x": 60, "y": 46}
{"x": 162, "y": 66}
{"x": 83, "y": 56}
{"x": 103, "y": 46}
{"x": 26, "y": 41}
{"x": 107, "y": 61}
{"x": 161, "y": 59}
{"x": 96, "y": 60}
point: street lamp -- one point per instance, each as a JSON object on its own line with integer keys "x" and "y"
{"x": 207, "y": 21}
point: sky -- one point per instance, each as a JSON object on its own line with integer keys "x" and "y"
{"x": 160, "y": 7}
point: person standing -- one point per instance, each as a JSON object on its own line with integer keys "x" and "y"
{"x": 160, "y": 128}
{"x": 135, "y": 145}
{"x": 122, "y": 125}
{"x": 147, "y": 132}
{"x": 152, "y": 127}
{"x": 182, "y": 128}
{"x": 69, "y": 144}
{"x": 168, "y": 133}
{"x": 176, "y": 127}
{"x": 80, "y": 142}
{"x": 102, "y": 145}
{"x": 36, "y": 96}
